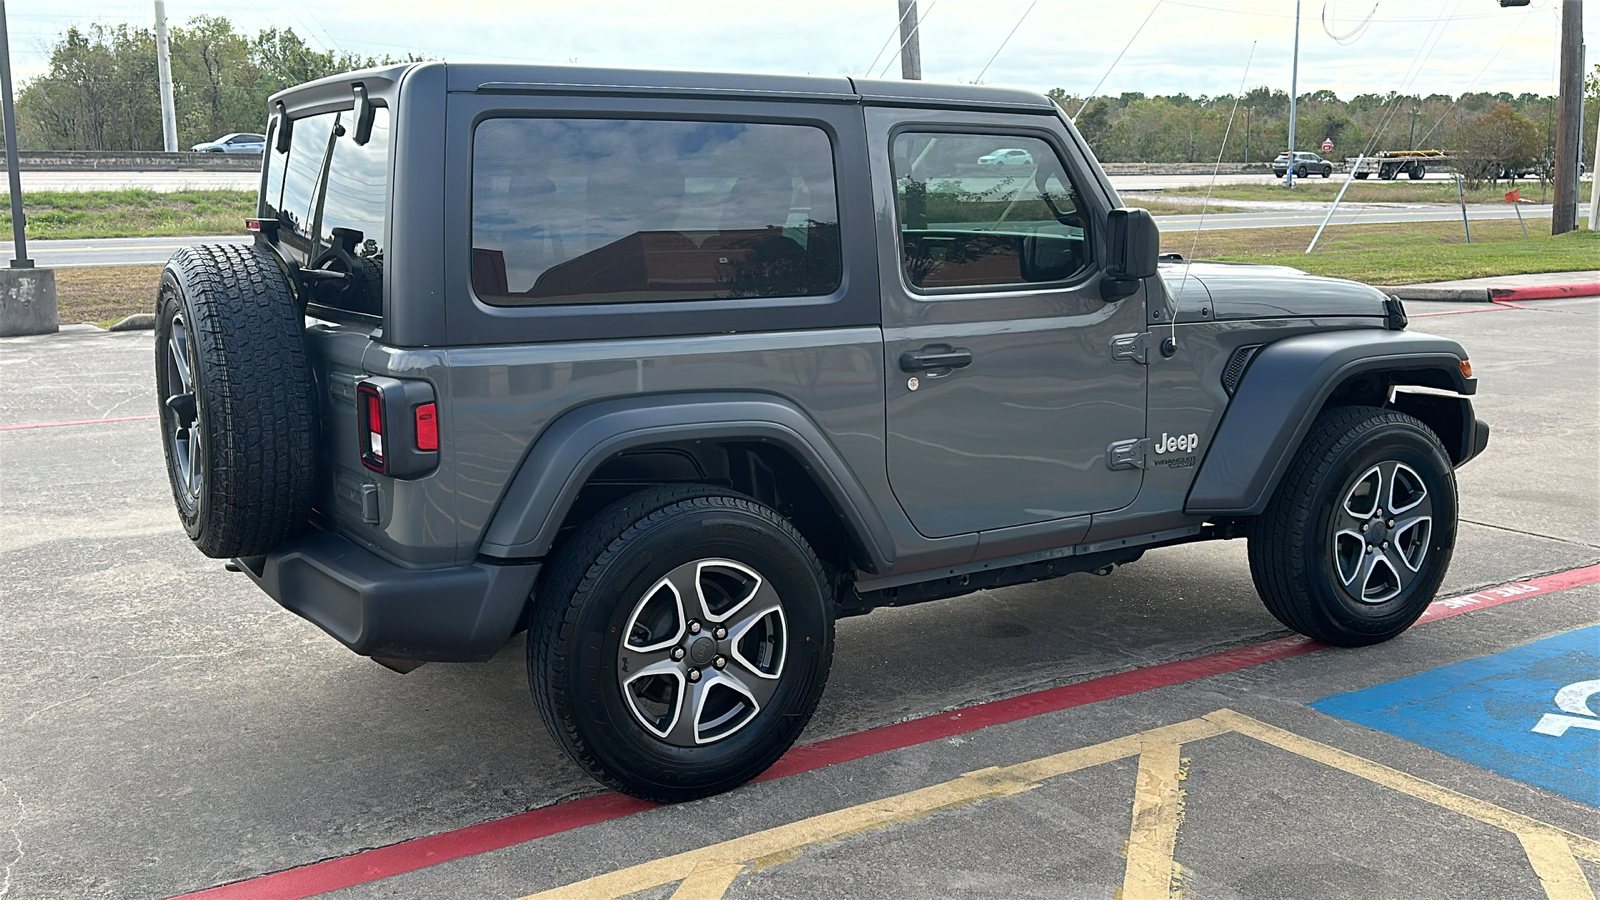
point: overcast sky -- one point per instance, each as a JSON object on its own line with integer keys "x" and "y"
{"x": 1193, "y": 46}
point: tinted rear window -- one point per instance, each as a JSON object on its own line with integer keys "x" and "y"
{"x": 617, "y": 210}
{"x": 352, "y": 199}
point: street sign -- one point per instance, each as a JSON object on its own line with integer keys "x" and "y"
{"x": 1327, "y": 145}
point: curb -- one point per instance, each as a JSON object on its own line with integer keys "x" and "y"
{"x": 1492, "y": 294}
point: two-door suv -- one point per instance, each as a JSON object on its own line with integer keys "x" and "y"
{"x": 671, "y": 370}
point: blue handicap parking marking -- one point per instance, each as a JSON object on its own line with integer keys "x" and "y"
{"x": 1531, "y": 713}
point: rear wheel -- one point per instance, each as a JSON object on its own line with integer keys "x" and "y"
{"x": 1418, "y": 172}
{"x": 1300, "y": 172}
{"x": 1358, "y": 537}
{"x": 681, "y": 641}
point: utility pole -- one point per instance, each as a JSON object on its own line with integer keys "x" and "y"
{"x": 19, "y": 245}
{"x": 169, "y": 116}
{"x": 1247, "y": 135}
{"x": 1569, "y": 128}
{"x": 910, "y": 42}
{"x": 1594, "y": 184}
{"x": 1294, "y": 89}
{"x": 27, "y": 294}
{"x": 1413, "y": 140}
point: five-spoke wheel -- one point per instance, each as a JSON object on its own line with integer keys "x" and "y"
{"x": 703, "y": 651}
{"x": 1381, "y": 532}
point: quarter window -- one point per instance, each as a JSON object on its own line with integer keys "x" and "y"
{"x": 618, "y": 210}
{"x": 985, "y": 210}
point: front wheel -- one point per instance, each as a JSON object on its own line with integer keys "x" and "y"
{"x": 1354, "y": 544}
{"x": 680, "y": 642}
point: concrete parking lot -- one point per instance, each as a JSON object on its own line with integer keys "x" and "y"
{"x": 165, "y": 729}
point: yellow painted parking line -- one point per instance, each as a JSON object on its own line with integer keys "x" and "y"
{"x": 708, "y": 881}
{"x": 1157, "y": 800}
{"x": 1551, "y": 856}
{"x": 1471, "y": 807}
{"x": 707, "y": 873}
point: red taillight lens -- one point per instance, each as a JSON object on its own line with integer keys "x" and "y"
{"x": 427, "y": 427}
{"x": 372, "y": 453}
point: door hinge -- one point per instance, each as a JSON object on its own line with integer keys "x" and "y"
{"x": 1132, "y": 453}
{"x": 1135, "y": 347}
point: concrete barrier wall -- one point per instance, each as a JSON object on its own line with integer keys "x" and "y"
{"x": 136, "y": 161}
{"x": 1185, "y": 168}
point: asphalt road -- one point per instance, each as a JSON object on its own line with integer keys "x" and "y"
{"x": 154, "y": 251}
{"x": 164, "y": 727}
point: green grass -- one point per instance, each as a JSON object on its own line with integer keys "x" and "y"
{"x": 1402, "y": 253}
{"x": 1318, "y": 191}
{"x": 130, "y": 213}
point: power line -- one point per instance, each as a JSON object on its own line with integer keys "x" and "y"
{"x": 1096, "y": 88}
{"x": 979, "y": 79}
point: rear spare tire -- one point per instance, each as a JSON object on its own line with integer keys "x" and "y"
{"x": 238, "y": 417}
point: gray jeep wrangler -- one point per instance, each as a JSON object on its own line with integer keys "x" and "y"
{"x": 672, "y": 370}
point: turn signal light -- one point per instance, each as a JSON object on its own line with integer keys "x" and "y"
{"x": 1466, "y": 368}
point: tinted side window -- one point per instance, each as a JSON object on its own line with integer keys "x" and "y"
{"x": 308, "y": 143}
{"x": 614, "y": 210}
{"x": 985, "y": 210}
{"x": 272, "y": 189}
{"x": 355, "y": 206}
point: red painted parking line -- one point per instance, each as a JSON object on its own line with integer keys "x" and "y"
{"x": 1546, "y": 291}
{"x": 419, "y": 853}
{"x": 28, "y": 425}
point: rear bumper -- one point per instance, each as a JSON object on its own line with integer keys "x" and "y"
{"x": 376, "y": 608}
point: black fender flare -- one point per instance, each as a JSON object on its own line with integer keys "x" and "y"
{"x": 1283, "y": 390}
{"x": 573, "y": 447}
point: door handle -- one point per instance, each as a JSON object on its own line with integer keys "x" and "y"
{"x": 937, "y": 357}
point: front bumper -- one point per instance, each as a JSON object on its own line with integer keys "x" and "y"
{"x": 376, "y": 608}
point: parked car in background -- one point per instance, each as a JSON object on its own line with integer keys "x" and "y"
{"x": 238, "y": 142}
{"x": 1305, "y": 164}
{"x": 1007, "y": 156}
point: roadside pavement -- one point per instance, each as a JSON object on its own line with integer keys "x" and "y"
{"x": 1545, "y": 286}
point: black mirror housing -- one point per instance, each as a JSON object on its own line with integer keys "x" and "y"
{"x": 364, "y": 116}
{"x": 285, "y": 128}
{"x": 1134, "y": 243}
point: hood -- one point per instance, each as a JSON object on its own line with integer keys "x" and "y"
{"x": 1239, "y": 291}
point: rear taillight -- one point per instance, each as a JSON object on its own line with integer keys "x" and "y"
{"x": 371, "y": 417}
{"x": 397, "y": 423}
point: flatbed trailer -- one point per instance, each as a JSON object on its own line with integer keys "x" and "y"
{"x": 1390, "y": 164}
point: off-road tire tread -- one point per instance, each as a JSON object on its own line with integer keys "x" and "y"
{"x": 575, "y": 572}
{"x": 1274, "y": 565}
{"x": 255, "y": 387}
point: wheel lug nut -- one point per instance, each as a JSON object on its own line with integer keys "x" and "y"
{"x": 1366, "y": 527}
{"x": 677, "y": 653}
{"x": 720, "y": 633}
{"x": 694, "y": 674}
{"x": 694, "y": 627}
{"x": 720, "y": 662}
{"x": 1391, "y": 523}
{"x": 1370, "y": 548}
{"x": 1385, "y": 545}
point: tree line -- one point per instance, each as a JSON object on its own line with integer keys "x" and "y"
{"x": 101, "y": 92}
{"x": 1487, "y": 132}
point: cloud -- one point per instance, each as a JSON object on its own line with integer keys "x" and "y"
{"x": 1193, "y": 46}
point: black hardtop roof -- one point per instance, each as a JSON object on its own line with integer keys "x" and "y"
{"x": 534, "y": 78}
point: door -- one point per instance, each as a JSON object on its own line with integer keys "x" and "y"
{"x": 1003, "y": 395}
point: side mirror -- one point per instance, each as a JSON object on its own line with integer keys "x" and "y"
{"x": 285, "y": 128}
{"x": 364, "y": 116}
{"x": 1135, "y": 244}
